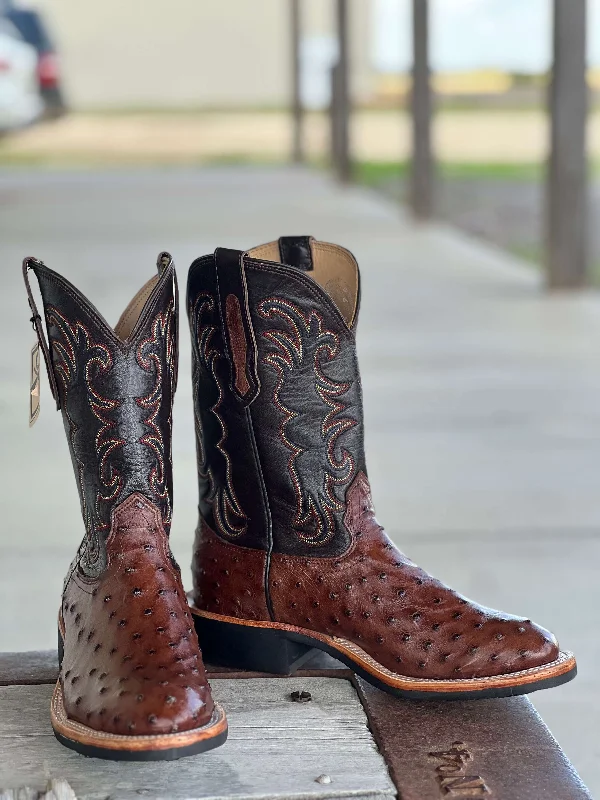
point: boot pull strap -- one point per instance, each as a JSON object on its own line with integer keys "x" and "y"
{"x": 236, "y": 324}
{"x": 36, "y": 321}
{"x": 163, "y": 262}
{"x": 296, "y": 251}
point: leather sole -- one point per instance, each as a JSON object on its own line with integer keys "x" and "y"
{"x": 115, "y": 747}
{"x": 280, "y": 649}
{"x": 166, "y": 747}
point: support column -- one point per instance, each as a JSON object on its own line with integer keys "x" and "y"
{"x": 421, "y": 169}
{"x": 340, "y": 99}
{"x": 297, "y": 111}
{"x": 567, "y": 206}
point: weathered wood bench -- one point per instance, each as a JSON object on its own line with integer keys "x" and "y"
{"x": 348, "y": 741}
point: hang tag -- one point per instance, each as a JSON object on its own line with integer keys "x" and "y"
{"x": 34, "y": 385}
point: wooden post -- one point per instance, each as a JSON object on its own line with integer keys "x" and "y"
{"x": 334, "y": 119}
{"x": 566, "y": 256}
{"x": 340, "y": 99}
{"x": 297, "y": 115}
{"x": 421, "y": 172}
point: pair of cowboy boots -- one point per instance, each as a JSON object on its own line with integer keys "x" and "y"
{"x": 288, "y": 556}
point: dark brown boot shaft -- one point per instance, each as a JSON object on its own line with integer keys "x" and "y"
{"x": 277, "y": 395}
{"x": 116, "y": 397}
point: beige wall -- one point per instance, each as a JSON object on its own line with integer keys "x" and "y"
{"x": 198, "y": 53}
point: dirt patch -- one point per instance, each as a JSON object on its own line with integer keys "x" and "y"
{"x": 465, "y": 136}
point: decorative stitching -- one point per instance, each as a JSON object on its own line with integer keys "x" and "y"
{"x": 294, "y": 275}
{"x": 75, "y": 351}
{"x": 148, "y": 351}
{"x": 67, "y": 287}
{"x": 75, "y": 339}
{"x": 229, "y": 516}
{"x": 314, "y": 522}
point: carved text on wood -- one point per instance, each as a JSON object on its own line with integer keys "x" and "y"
{"x": 452, "y": 776}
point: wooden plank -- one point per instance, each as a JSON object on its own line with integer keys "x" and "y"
{"x": 508, "y": 746}
{"x": 297, "y": 111}
{"x": 57, "y": 789}
{"x": 421, "y": 171}
{"x": 567, "y": 209}
{"x": 276, "y": 749}
{"x": 41, "y": 666}
{"x": 36, "y": 666}
{"x": 499, "y": 749}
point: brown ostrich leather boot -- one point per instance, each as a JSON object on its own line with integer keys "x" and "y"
{"x": 132, "y": 684}
{"x": 288, "y": 554}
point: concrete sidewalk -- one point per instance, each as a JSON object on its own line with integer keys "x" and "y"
{"x": 482, "y": 396}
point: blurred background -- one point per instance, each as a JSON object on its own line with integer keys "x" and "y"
{"x": 453, "y": 146}
{"x": 206, "y": 82}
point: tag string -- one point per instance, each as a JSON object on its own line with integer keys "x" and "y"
{"x": 36, "y": 322}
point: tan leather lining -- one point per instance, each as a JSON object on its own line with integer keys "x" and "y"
{"x": 269, "y": 252}
{"x": 130, "y": 316}
{"x": 334, "y": 268}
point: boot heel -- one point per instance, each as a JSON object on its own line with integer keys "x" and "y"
{"x": 250, "y": 648}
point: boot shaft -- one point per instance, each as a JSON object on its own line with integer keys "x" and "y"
{"x": 115, "y": 390}
{"x": 277, "y": 394}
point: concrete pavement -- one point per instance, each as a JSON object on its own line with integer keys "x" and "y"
{"x": 482, "y": 396}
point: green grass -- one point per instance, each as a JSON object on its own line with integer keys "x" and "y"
{"x": 382, "y": 175}
{"x": 374, "y": 173}
{"x": 50, "y": 161}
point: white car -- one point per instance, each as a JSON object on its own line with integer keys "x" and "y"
{"x": 20, "y": 99}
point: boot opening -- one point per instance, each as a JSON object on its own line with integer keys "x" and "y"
{"x": 333, "y": 267}
{"x": 128, "y": 319}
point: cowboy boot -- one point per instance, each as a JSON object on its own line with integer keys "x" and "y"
{"x": 132, "y": 684}
{"x": 288, "y": 554}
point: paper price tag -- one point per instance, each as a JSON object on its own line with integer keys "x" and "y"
{"x": 34, "y": 385}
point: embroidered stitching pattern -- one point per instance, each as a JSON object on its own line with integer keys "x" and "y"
{"x": 229, "y": 516}
{"x": 73, "y": 340}
{"x": 149, "y": 351}
{"x": 314, "y": 521}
